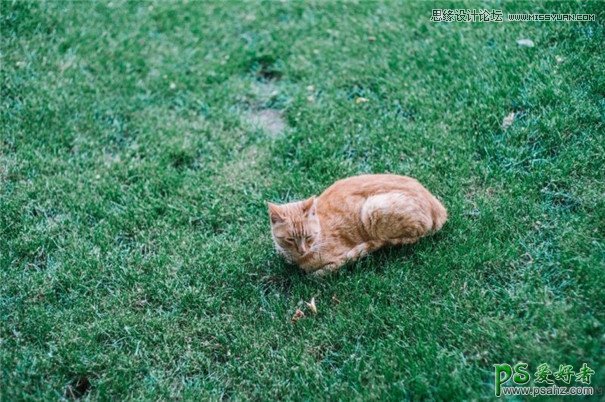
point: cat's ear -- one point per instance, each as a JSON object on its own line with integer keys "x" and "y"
{"x": 308, "y": 206}
{"x": 275, "y": 213}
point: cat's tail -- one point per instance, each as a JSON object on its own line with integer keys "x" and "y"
{"x": 438, "y": 213}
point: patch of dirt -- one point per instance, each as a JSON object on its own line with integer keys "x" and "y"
{"x": 270, "y": 121}
{"x": 265, "y": 68}
{"x": 265, "y": 91}
{"x": 78, "y": 388}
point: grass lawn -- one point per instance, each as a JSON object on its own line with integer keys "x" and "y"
{"x": 139, "y": 143}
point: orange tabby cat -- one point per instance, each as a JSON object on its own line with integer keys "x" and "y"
{"x": 352, "y": 218}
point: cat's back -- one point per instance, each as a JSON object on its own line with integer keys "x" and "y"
{"x": 345, "y": 198}
{"x": 372, "y": 184}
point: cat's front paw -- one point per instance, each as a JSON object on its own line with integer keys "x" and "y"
{"x": 356, "y": 253}
{"x": 326, "y": 270}
{"x": 320, "y": 273}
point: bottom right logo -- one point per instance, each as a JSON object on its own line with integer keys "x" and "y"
{"x": 514, "y": 380}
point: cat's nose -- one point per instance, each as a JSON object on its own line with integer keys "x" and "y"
{"x": 303, "y": 248}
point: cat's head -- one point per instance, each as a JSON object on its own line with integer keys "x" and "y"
{"x": 295, "y": 227}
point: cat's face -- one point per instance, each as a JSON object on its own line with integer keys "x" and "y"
{"x": 295, "y": 227}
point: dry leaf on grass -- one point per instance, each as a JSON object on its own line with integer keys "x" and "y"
{"x": 312, "y": 305}
{"x": 335, "y": 300}
{"x": 508, "y": 120}
{"x": 361, "y": 99}
{"x": 525, "y": 42}
{"x": 297, "y": 315}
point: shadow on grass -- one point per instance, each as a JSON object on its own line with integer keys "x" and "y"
{"x": 283, "y": 277}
